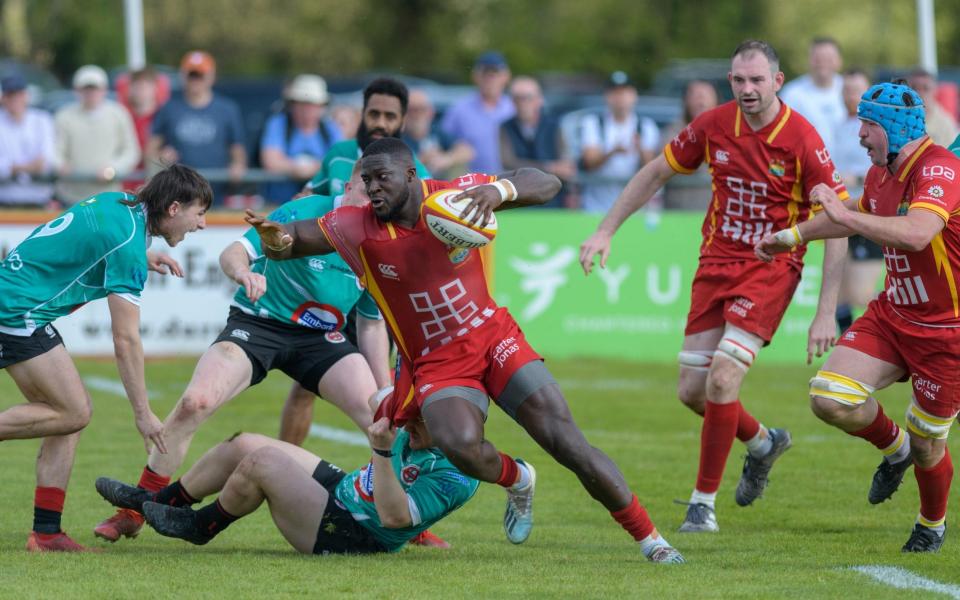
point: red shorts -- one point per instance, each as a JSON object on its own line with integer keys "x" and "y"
{"x": 929, "y": 355}
{"x": 749, "y": 294}
{"x": 484, "y": 359}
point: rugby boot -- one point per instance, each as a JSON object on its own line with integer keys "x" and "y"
{"x": 175, "y": 521}
{"x": 124, "y": 523}
{"x": 666, "y": 555}
{"x": 754, "y": 479}
{"x": 924, "y": 539}
{"x": 887, "y": 478}
{"x": 700, "y": 518}
{"x": 53, "y": 542}
{"x": 122, "y": 495}
{"x": 431, "y": 540}
{"x": 518, "y": 517}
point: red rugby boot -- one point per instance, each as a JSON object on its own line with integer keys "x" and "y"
{"x": 431, "y": 540}
{"x": 125, "y": 522}
{"x": 53, "y": 542}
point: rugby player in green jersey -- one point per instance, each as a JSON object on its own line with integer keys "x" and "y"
{"x": 96, "y": 249}
{"x": 407, "y": 486}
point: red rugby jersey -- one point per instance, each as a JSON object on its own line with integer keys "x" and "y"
{"x": 429, "y": 293}
{"x": 761, "y": 179}
{"x": 921, "y": 286}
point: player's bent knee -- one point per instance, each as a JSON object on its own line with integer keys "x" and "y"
{"x": 924, "y": 425}
{"x": 194, "y": 405}
{"x": 261, "y": 461}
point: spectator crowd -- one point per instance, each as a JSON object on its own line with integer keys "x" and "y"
{"x": 98, "y": 143}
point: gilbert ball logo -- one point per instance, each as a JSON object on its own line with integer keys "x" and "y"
{"x": 318, "y": 316}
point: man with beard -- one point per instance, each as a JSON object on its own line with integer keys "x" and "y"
{"x": 765, "y": 160}
{"x": 911, "y": 331}
{"x": 384, "y": 111}
{"x": 458, "y": 349}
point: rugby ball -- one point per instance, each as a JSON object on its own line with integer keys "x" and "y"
{"x": 444, "y": 218}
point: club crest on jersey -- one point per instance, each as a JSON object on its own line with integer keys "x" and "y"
{"x": 777, "y": 168}
{"x": 318, "y": 316}
{"x": 935, "y": 191}
{"x": 335, "y": 337}
{"x": 837, "y": 178}
{"x": 458, "y": 255}
{"x": 409, "y": 474}
{"x": 903, "y": 208}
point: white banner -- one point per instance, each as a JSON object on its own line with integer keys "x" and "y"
{"x": 178, "y": 316}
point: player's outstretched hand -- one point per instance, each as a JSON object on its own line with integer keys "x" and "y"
{"x": 769, "y": 246}
{"x": 254, "y": 284}
{"x": 598, "y": 243}
{"x": 823, "y": 195}
{"x": 381, "y": 434}
{"x": 163, "y": 264}
{"x": 274, "y": 235}
{"x": 822, "y": 336}
{"x": 151, "y": 428}
{"x": 483, "y": 199}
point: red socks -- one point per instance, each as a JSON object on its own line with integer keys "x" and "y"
{"x": 152, "y": 482}
{"x": 634, "y": 519}
{"x": 509, "y": 471}
{"x": 720, "y": 425}
{"x": 47, "y": 509}
{"x": 747, "y": 427}
{"x": 881, "y": 433}
{"x": 934, "y": 484}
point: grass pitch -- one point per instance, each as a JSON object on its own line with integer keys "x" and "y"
{"x": 799, "y": 541}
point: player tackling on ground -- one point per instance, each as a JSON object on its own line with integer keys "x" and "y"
{"x": 764, "y": 161}
{"x": 910, "y": 202}
{"x": 96, "y": 249}
{"x": 457, "y": 347}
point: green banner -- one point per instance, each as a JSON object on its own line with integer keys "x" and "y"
{"x": 637, "y": 307}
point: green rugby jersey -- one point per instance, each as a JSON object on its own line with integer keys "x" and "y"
{"x": 314, "y": 291}
{"x": 96, "y": 248}
{"x": 434, "y": 487}
{"x": 955, "y": 146}
{"x": 337, "y": 165}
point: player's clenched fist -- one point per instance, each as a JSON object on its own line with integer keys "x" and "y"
{"x": 274, "y": 235}
{"x": 598, "y": 243}
{"x": 381, "y": 434}
{"x": 823, "y": 195}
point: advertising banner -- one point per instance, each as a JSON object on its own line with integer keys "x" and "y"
{"x": 636, "y": 308}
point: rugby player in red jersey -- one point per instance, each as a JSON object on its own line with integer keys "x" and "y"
{"x": 765, "y": 160}
{"x": 910, "y": 203}
{"x": 457, "y": 347}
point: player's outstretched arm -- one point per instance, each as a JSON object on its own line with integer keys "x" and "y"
{"x": 374, "y": 345}
{"x": 533, "y": 187}
{"x": 235, "y": 264}
{"x": 290, "y": 240}
{"x": 128, "y": 349}
{"x": 389, "y": 496}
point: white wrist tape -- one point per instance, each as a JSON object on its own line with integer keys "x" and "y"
{"x": 789, "y": 237}
{"x": 508, "y": 192}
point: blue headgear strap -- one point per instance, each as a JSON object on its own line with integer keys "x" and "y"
{"x": 896, "y": 108}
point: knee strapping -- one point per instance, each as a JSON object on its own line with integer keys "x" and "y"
{"x": 740, "y": 346}
{"x": 839, "y": 388}
{"x": 925, "y": 425}
{"x": 699, "y": 360}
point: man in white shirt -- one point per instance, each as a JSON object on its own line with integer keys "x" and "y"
{"x": 941, "y": 125}
{"x": 26, "y": 147}
{"x": 817, "y": 95}
{"x": 615, "y": 144}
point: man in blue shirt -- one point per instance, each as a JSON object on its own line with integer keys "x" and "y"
{"x": 476, "y": 119}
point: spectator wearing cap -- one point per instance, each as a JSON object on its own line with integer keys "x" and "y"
{"x": 96, "y": 139}
{"x": 615, "y": 144}
{"x": 532, "y": 137}
{"x": 476, "y": 118}
{"x": 295, "y": 140}
{"x": 445, "y": 159}
{"x": 200, "y": 129}
{"x": 941, "y": 127}
{"x": 27, "y": 147}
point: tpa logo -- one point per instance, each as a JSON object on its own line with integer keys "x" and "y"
{"x": 823, "y": 156}
{"x": 388, "y": 271}
{"x": 722, "y": 156}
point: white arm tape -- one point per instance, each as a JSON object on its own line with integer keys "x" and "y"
{"x": 789, "y": 237}
{"x": 508, "y": 191}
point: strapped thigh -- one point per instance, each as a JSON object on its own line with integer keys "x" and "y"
{"x": 840, "y": 388}
{"x": 739, "y": 345}
{"x": 923, "y": 424}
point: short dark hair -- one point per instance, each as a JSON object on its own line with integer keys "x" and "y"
{"x": 176, "y": 183}
{"x": 147, "y": 73}
{"x": 824, "y": 40}
{"x": 393, "y": 147}
{"x": 853, "y": 71}
{"x": 388, "y": 87}
{"x": 751, "y": 46}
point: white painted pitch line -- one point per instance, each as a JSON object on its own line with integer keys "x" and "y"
{"x": 112, "y": 386}
{"x": 352, "y": 438}
{"x": 903, "y": 579}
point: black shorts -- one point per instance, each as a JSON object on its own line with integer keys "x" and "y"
{"x": 303, "y": 354}
{"x": 16, "y": 348}
{"x": 339, "y": 532}
{"x": 860, "y": 249}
